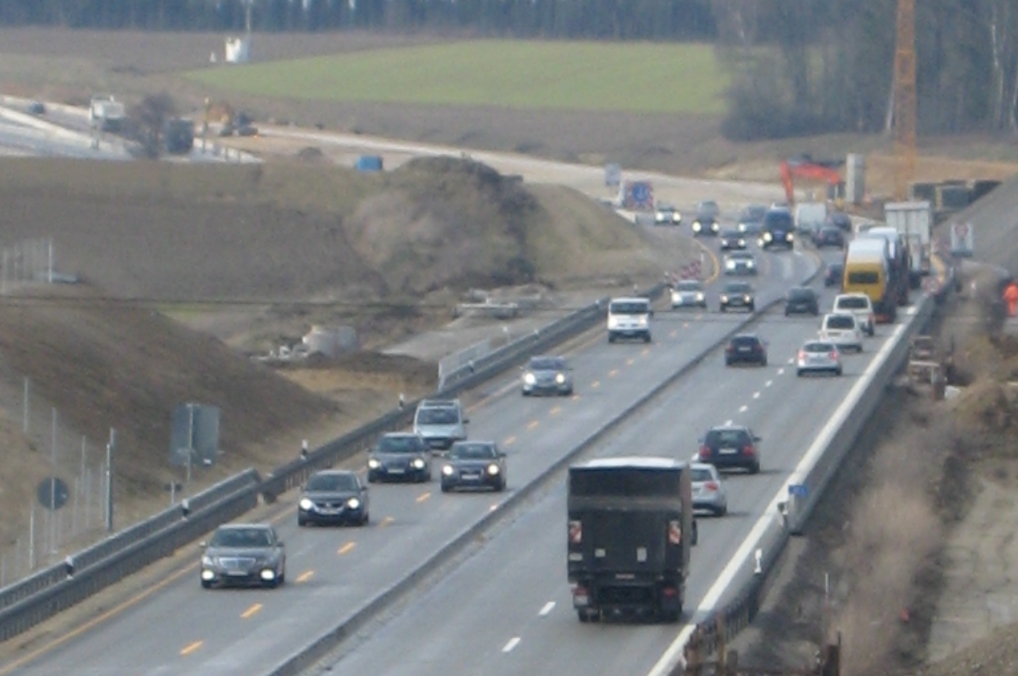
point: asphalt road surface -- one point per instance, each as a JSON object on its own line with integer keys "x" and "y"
{"x": 182, "y": 629}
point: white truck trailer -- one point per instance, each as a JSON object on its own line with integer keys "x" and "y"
{"x": 914, "y": 222}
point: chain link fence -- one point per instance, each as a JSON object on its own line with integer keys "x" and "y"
{"x": 27, "y": 262}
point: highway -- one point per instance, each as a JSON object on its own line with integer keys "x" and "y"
{"x": 507, "y": 610}
{"x": 181, "y": 628}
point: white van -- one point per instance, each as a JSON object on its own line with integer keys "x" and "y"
{"x": 842, "y": 329}
{"x": 629, "y": 318}
{"x": 810, "y": 216}
{"x": 860, "y": 305}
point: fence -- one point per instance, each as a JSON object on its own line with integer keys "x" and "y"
{"x": 26, "y": 262}
{"x": 457, "y": 360}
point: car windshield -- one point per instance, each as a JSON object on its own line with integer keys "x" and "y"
{"x": 402, "y": 443}
{"x": 738, "y": 287}
{"x": 629, "y": 308}
{"x": 840, "y": 322}
{"x": 753, "y": 213}
{"x": 731, "y": 234}
{"x": 689, "y": 286}
{"x": 800, "y": 294}
{"x": 854, "y": 302}
{"x": 546, "y": 364}
{"x": 665, "y": 207}
{"x": 241, "y": 537}
{"x": 818, "y": 347}
{"x": 741, "y": 341}
{"x": 700, "y": 474}
{"x": 332, "y": 482}
{"x": 740, "y": 255}
{"x": 438, "y": 416}
{"x": 831, "y": 232}
{"x": 472, "y": 452}
{"x": 778, "y": 221}
{"x": 726, "y": 438}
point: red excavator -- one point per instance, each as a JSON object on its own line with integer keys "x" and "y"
{"x": 808, "y": 169}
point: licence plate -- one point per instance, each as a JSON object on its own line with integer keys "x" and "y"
{"x": 237, "y": 573}
{"x": 472, "y": 477}
{"x": 745, "y": 349}
{"x": 396, "y": 471}
{"x": 728, "y": 451}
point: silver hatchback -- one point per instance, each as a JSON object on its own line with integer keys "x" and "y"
{"x": 708, "y": 490}
{"x": 817, "y": 356}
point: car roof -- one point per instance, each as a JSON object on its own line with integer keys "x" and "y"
{"x": 729, "y": 428}
{"x": 245, "y": 526}
{"x": 703, "y": 465}
{"x": 477, "y": 442}
{"x": 334, "y": 472}
{"x": 852, "y": 294}
{"x": 392, "y": 435}
{"x": 637, "y": 461}
{"x": 630, "y": 299}
{"x": 740, "y": 254}
{"x": 440, "y": 403}
{"x": 745, "y": 336}
{"x": 736, "y": 284}
{"x": 840, "y": 314}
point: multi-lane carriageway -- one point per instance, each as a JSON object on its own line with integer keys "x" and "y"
{"x": 506, "y": 608}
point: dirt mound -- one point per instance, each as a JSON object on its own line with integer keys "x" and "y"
{"x": 385, "y": 371}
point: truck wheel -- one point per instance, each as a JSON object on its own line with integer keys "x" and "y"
{"x": 671, "y": 616}
{"x": 584, "y": 617}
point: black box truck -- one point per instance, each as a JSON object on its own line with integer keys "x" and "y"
{"x": 630, "y": 530}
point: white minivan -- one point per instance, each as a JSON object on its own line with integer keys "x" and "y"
{"x": 629, "y": 318}
{"x": 842, "y": 329}
{"x": 860, "y": 305}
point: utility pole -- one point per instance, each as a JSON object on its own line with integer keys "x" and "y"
{"x": 109, "y": 479}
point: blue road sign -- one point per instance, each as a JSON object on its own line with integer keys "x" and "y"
{"x": 641, "y": 193}
{"x": 798, "y": 490}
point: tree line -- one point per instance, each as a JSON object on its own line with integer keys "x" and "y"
{"x": 797, "y": 66}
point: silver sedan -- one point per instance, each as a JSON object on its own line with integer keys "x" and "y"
{"x": 817, "y": 356}
{"x": 708, "y": 490}
{"x": 547, "y": 375}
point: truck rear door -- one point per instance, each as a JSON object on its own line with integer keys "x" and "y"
{"x": 627, "y": 541}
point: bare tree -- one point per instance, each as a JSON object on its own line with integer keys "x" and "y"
{"x": 148, "y": 118}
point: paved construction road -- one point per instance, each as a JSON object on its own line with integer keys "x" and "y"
{"x": 182, "y": 629}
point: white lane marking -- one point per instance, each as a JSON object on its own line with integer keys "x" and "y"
{"x": 768, "y": 383}
{"x": 673, "y": 654}
{"x": 513, "y": 642}
{"x": 728, "y": 423}
{"x": 756, "y": 395}
{"x": 547, "y": 608}
{"x": 791, "y": 360}
{"x": 743, "y": 408}
{"x": 781, "y": 371}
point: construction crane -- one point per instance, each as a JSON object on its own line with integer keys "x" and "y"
{"x": 904, "y": 100}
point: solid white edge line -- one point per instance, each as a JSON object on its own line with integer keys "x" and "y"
{"x": 513, "y": 642}
{"x": 548, "y": 607}
{"x": 673, "y": 654}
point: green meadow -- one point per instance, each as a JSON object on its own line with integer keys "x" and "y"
{"x": 584, "y": 76}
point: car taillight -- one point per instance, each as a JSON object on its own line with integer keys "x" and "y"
{"x": 670, "y": 592}
{"x": 575, "y": 532}
{"x": 834, "y": 354}
{"x": 674, "y": 532}
{"x": 711, "y": 485}
{"x": 729, "y": 349}
{"x": 802, "y": 354}
{"x": 705, "y": 451}
{"x": 748, "y": 450}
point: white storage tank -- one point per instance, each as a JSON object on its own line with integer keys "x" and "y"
{"x": 238, "y": 50}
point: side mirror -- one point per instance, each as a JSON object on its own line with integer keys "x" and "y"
{"x": 501, "y": 454}
{"x": 757, "y": 438}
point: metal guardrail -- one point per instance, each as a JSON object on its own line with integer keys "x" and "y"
{"x": 50, "y": 591}
{"x": 722, "y": 625}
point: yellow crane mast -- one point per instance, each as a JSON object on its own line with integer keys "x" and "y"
{"x": 904, "y": 100}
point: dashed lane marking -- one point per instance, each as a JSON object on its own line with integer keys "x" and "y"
{"x": 513, "y": 642}
{"x": 191, "y": 647}
{"x": 548, "y": 607}
{"x": 613, "y": 373}
{"x": 509, "y": 441}
{"x": 768, "y": 383}
{"x": 385, "y": 522}
{"x": 728, "y": 423}
{"x": 743, "y": 408}
{"x": 756, "y": 395}
{"x": 348, "y": 547}
{"x": 555, "y": 410}
{"x": 674, "y": 333}
{"x": 596, "y": 384}
{"x": 532, "y": 424}
{"x": 630, "y": 362}
{"x": 251, "y": 612}
{"x": 781, "y": 371}
{"x": 304, "y": 577}
{"x": 423, "y": 496}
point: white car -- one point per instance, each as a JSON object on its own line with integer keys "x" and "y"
{"x": 860, "y": 305}
{"x": 842, "y": 329}
{"x": 689, "y": 293}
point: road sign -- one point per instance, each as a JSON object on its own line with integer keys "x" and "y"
{"x": 612, "y": 175}
{"x": 194, "y": 437}
{"x": 798, "y": 490}
{"x": 52, "y": 493}
{"x": 962, "y": 239}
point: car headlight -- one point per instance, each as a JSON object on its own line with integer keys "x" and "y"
{"x": 715, "y": 226}
{"x": 696, "y": 226}
{"x": 699, "y": 296}
{"x": 373, "y": 463}
{"x": 353, "y": 503}
{"x": 641, "y": 321}
{"x": 493, "y": 469}
{"x": 613, "y": 322}
{"x": 742, "y": 242}
{"x": 742, "y": 227}
{"x": 529, "y": 378}
{"x": 724, "y": 298}
{"x": 676, "y": 216}
{"x": 729, "y": 264}
{"x": 208, "y": 561}
{"x": 746, "y": 298}
{"x": 768, "y": 236}
{"x": 306, "y": 504}
{"x": 789, "y": 237}
{"x": 448, "y": 470}
{"x": 418, "y": 463}
{"x": 750, "y": 263}
{"x": 560, "y": 378}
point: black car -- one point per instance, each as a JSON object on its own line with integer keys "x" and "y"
{"x": 333, "y": 496}
{"x": 746, "y": 348}
{"x": 738, "y": 295}
{"x": 828, "y": 236}
{"x": 474, "y": 464}
{"x": 243, "y": 554}
{"x": 834, "y": 274}
{"x": 751, "y": 219}
{"x": 402, "y": 456}
{"x": 732, "y": 240}
{"x": 839, "y": 220}
{"x": 778, "y": 229}
{"x": 802, "y": 299}
{"x": 732, "y": 446}
{"x": 705, "y": 224}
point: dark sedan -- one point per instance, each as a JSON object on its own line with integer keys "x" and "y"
{"x": 333, "y": 496}
{"x": 737, "y": 295}
{"x": 746, "y": 348}
{"x": 705, "y": 224}
{"x": 474, "y": 464}
{"x": 243, "y": 555}
{"x": 400, "y": 456}
{"x": 802, "y": 300}
{"x": 731, "y": 447}
{"x": 732, "y": 240}
{"x": 839, "y": 220}
{"x": 833, "y": 274}
{"x": 828, "y": 236}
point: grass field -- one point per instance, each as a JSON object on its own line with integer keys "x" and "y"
{"x": 587, "y": 76}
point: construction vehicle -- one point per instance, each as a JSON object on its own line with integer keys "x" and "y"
{"x": 105, "y": 113}
{"x": 805, "y": 168}
{"x": 178, "y": 136}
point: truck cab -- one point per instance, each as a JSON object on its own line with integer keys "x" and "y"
{"x": 630, "y": 530}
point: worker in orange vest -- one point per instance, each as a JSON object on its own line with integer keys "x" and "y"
{"x": 1011, "y": 298}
